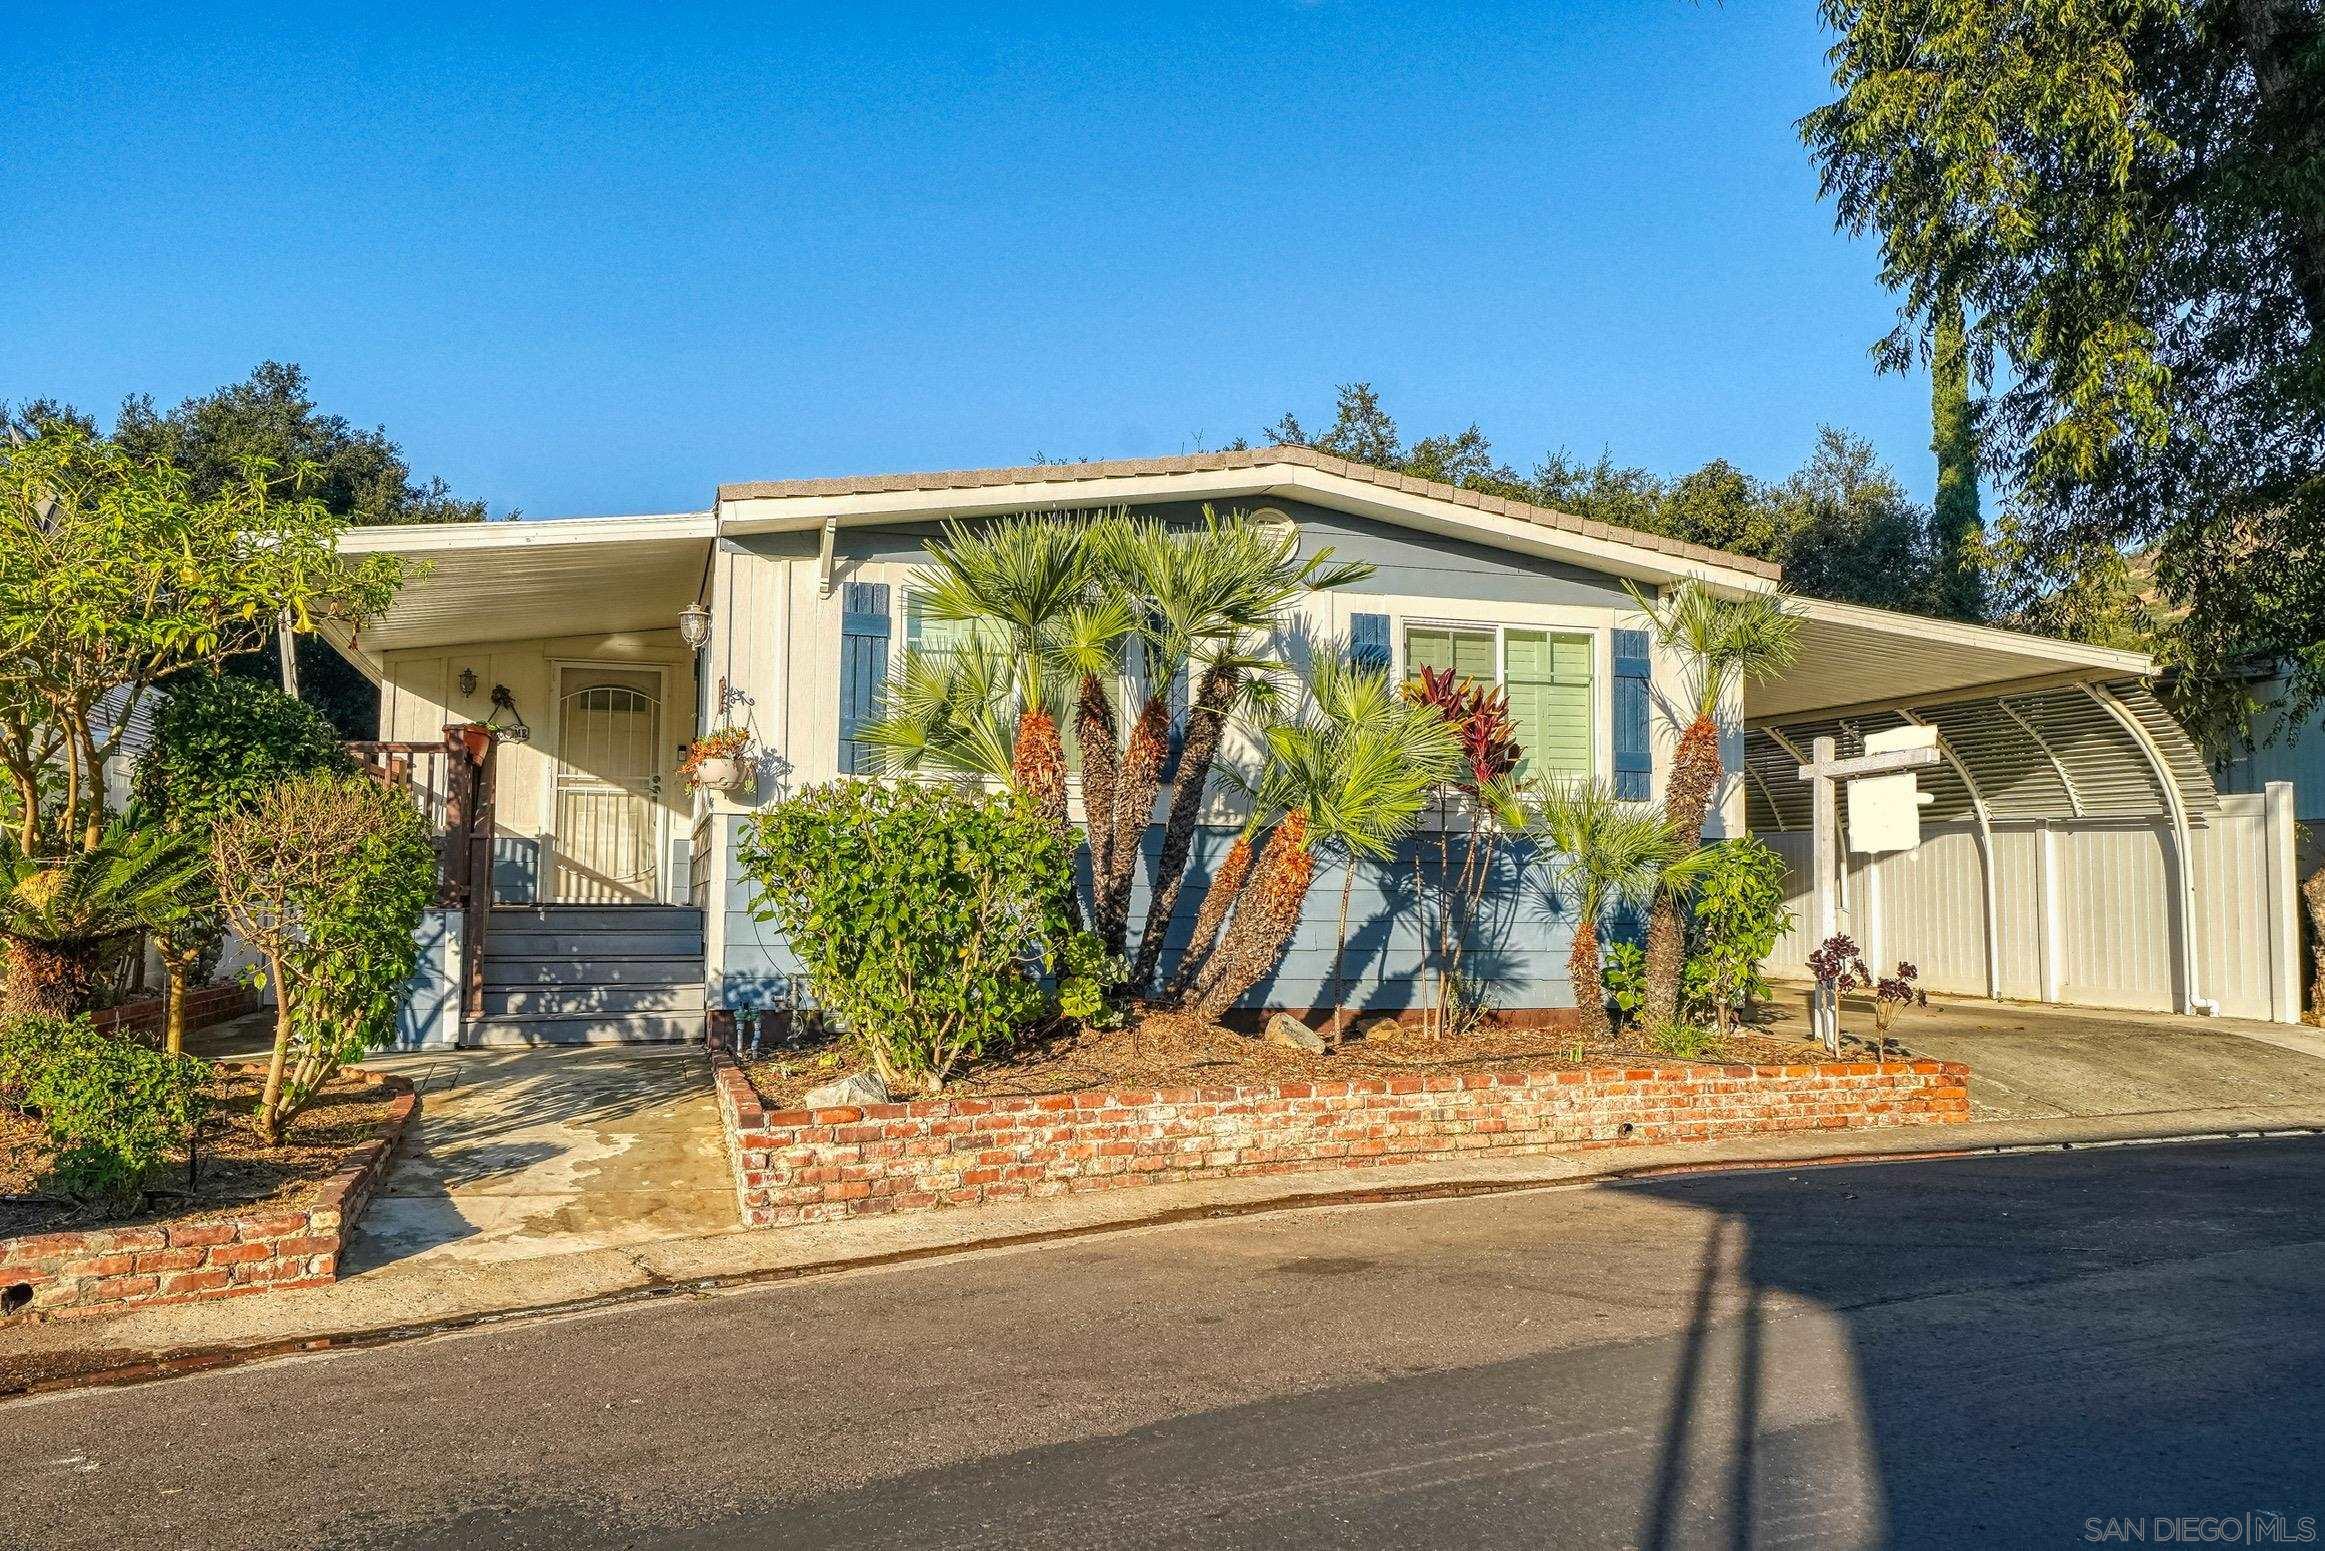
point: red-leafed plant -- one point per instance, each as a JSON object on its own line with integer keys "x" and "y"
{"x": 1484, "y": 786}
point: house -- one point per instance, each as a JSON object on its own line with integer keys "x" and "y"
{"x": 2077, "y": 848}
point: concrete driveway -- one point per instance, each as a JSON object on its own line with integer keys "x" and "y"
{"x": 2048, "y": 1063}
{"x": 520, "y": 1154}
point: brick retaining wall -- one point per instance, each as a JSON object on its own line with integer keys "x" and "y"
{"x": 811, "y": 1166}
{"x": 112, "y": 1270}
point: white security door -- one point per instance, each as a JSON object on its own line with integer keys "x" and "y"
{"x": 608, "y": 838}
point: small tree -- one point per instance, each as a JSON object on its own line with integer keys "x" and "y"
{"x": 326, "y": 877}
{"x": 219, "y": 743}
{"x": 1481, "y": 788}
{"x": 1739, "y": 912}
{"x": 1601, "y": 850}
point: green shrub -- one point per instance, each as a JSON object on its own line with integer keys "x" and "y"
{"x": 1738, "y": 913}
{"x": 924, "y": 917}
{"x": 1625, "y": 980}
{"x": 115, "y": 1110}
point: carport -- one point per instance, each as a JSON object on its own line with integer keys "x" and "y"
{"x": 2076, "y": 851}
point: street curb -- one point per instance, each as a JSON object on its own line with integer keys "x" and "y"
{"x": 185, "y": 1362}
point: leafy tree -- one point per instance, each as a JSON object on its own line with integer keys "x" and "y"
{"x": 2126, "y": 201}
{"x": 326, "y": 876}
{"x": 360, "y": 476}
{"x": 219, "y": 742}
{"x": 1955, "y": 526}
{"x": 1841, "y": 526}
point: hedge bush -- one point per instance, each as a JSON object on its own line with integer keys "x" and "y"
{"x": 926, "y": 918}
{"x": 115, "y": 1110}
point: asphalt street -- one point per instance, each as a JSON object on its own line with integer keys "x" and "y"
{"x": 2037, "y": 1350}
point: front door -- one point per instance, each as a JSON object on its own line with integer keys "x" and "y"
{"x": 608, "y": 842}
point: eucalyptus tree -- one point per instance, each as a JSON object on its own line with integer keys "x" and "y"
{"x": 1725, "y": 643}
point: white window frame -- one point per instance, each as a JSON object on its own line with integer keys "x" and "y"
{"x": 1601, "y": 640}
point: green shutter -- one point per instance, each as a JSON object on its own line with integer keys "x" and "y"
{"x": 1469, "y": 653}
{"x": 1550, "y": 700}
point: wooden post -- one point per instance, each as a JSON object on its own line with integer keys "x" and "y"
{"x": 476, "y": 923}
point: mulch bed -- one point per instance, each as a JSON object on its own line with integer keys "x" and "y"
{"x": 236, "y": 1170}
{"x": 1172, "y": 1051}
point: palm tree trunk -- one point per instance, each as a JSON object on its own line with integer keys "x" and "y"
{"x": 1264, "y": 920}
{"x": 1150, "y": 745}
{"x": 1038, "y": 766}
{"x": 1226, "y": 886}
{"x": 1695, "y": 776}
{"x": 1590, "y": 998}
{"x": 44, "y": 979}
{"x": 1340, "y": 947}
{"x": 1205, "y": 724}
{"x": 1094, "y": 730}
{"x": 2314, "y": 892}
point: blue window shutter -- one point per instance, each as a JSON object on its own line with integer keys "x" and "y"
{"x": 1634, "y": 750}
{"x": 1368, "y": 641}
{"x": 863, "y": 670}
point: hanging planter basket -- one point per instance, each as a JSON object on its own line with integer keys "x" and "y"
{"x": 722, "y": 773}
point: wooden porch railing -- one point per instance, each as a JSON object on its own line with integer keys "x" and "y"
{"x": 452, "y": 782}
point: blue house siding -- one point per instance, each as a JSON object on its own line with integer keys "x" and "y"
{"x": 1518, "y": 947}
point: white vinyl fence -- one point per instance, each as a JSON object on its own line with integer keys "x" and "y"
{"x": 2086, "y": 912}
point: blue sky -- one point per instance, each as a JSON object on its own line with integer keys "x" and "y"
{"x": 599, "y": 259}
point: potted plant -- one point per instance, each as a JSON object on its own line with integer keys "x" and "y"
{"x": 714, "y": 762}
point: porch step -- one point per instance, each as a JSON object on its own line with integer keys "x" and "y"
{"x": 591, "y": 975}
{"x": 562, "y": 944}
{"x": 638, "y": 1028}
{"x": 595, "y": 918}
{"x": 595, "y": 1000}
{"x": 673, "y": 969}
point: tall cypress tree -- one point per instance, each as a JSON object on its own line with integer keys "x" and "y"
{"x": 1954, "y": 521}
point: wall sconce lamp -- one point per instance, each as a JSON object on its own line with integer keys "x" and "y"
{"x": 467, "y": 682}
{"x": 512, "y": 730}
{"x": 694, "y": 626}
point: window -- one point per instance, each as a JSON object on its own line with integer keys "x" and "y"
{"x": 943, "y": 637}
{"x": 1546, "y": 675}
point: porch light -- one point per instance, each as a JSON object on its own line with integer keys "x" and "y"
{"x": 694, "y": 626}
{"x": 514, "y": 729}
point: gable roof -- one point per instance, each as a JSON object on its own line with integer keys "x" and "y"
{"x": 1256, "y": 461}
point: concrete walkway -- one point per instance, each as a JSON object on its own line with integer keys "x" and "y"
{"x": 573, "y": 1176}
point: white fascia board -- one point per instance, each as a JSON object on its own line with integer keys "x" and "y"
{"x": 458, "y": 537}
{"x": 1428, "y": 514}
{"x": 2050, "y": 653}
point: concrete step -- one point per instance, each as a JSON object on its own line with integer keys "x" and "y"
{"x": 674, "y": 969}
{"x": 640, "y": 1028}
{"x": 592, "y": 1000}
{"x": 595, "y": 918}
{"x": 592, "y": 945}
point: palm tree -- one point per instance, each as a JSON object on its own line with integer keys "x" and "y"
{"x": 1602, "y": 850}
{"x": 1727, "y": 642}
{"x": 947, "y": 713}
{"x": 1353, "y": 768}
{"x": 1021, "y": 579}
{"x": 1218, "y": 597}
{"x": 59, "y": 915}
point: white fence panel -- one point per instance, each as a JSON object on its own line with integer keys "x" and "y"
{"x": 2113, "y": 940}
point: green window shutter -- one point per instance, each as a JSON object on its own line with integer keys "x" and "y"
{"x": 1469, "y": 653}
{"x": 863, "y": 670}
{"x": 1550, "y": 700}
